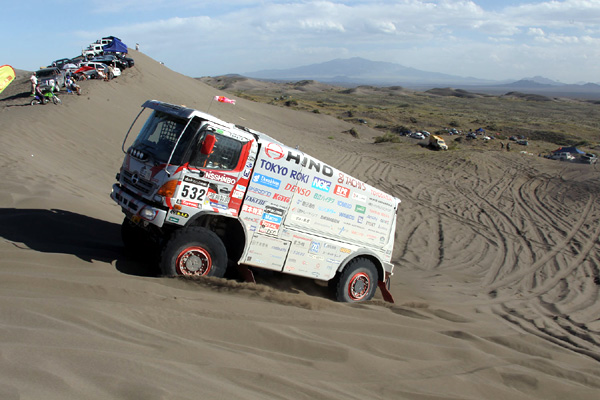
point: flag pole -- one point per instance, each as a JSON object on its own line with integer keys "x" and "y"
{"x": 210, "y": 104}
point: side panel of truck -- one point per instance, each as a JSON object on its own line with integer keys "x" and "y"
{"x": 305, "y": 217}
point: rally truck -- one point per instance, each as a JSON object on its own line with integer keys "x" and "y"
{"x": 211, "y": 195}
{"x": 437, "y": 143}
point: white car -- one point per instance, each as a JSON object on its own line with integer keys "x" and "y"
{"x": 562, "y": 156}
{"x": 100, "y": 67}
{"x": 417, "y": 135}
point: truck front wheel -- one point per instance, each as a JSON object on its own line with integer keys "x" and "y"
{"x": 194, "y": 252}
{"x": 357, "y": 282}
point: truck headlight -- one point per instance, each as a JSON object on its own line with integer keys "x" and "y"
{"x": 148, "y": 214}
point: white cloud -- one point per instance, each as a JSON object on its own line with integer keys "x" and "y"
{"x": 452, "y": 36}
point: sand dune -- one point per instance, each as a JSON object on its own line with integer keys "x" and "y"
{"x": 496, "y": 284}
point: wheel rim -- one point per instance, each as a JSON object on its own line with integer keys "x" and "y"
{"x": 359, "y": 286}
{"x": 194, "y": 261}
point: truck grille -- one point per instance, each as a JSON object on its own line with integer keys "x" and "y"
{"x": 142, "y": 185}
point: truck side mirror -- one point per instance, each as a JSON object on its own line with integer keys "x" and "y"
{"x": 208, "y": 144}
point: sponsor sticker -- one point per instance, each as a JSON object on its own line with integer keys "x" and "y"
{"x": 271, "y": 218}
{"x": 321, "y": 184}
{"x": 252, "y": 210}
{"x": 215, "y": 176}
{"x": 266, "y": 181}
{"x": 274, "y": 151}
{"x": 314, "y": 247}
{"x": 189, "y": 203}
{"x": 282, "y": 198}
{"x": 341, "y": 191}
{"x": 260, "y": 191}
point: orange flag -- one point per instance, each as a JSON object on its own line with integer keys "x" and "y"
{"x": 224, "y": 99}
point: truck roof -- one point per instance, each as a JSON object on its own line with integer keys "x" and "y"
{"x": 186, "y": 113}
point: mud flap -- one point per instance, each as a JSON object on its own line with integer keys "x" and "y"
{"x": 245, "y": 273}
{"x": 385, "y": 292}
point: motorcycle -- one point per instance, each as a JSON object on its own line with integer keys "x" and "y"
{"x": 45, "y": 95}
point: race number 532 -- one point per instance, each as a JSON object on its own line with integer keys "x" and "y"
{"x": 192, "y": 192}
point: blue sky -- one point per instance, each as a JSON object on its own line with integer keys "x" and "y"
{"x": 489, "y": 39}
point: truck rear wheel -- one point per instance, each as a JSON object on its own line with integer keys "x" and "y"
{"x": 194, "y": 252}
{"x": 357, "y": 282}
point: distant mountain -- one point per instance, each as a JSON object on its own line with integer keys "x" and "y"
{"x": 529, "y": 84}
{"x": 359, "y": 71}
{"x": 356, "y": 71}
{"x": 543, "y": 81}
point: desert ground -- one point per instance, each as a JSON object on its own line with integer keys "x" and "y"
{"x": 496, "y": 277}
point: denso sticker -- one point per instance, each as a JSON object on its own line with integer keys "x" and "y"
{"x": 300, "y": 190}
{"x": 266, "y": 181}
{"x": 321, "y": 184}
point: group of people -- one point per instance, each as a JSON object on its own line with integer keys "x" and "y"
{"x": 507, "y": 146}
{"x": 38, "y": 89}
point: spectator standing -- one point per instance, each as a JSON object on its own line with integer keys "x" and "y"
{"x": 34, "y": 82}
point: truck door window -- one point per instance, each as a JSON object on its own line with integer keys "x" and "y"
{"x": 225, "y": 154}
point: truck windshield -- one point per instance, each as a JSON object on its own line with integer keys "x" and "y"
{"x": 159, "y": 136}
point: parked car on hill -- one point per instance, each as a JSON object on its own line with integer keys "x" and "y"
{"x": 562, "y": 156}
{"x": 46, "y": 75}
{"x": 93, "y": 50}
{"x": 588, "y": 158}
{"x": 130, "y": 62}
{"x": 60, "y": 62}
{"x": 110, "y": 59}
{"x": 417, "y": 135}
{"x": 523, "y": 142}
{"x": 96, "y": 66}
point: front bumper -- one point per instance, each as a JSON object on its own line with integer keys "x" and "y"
{"x": 137, "y": 208}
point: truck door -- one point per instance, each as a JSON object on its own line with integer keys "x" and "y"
{"x": 224, "y": 161}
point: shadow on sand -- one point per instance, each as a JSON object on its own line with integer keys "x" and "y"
{"x": 92, "y": 239}
{"x": 66, "y": 232}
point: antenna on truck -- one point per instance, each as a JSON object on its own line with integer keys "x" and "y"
{"x": 129, "y": 130}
